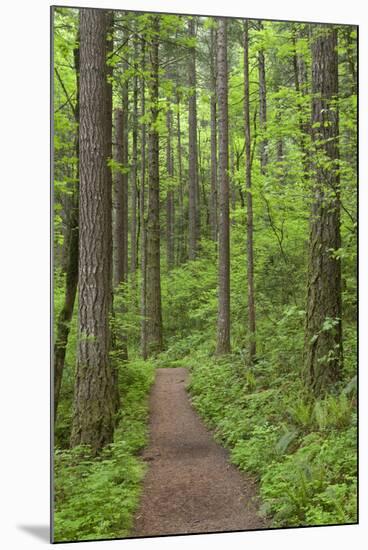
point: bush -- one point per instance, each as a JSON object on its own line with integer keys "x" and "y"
{"x": 96, "y": 498}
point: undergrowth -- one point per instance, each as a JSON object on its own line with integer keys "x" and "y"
{"x": 302, "y": 452}
{"x": 95, "y": 498}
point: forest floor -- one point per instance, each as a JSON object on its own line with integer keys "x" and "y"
{"x": 190, "y": 486}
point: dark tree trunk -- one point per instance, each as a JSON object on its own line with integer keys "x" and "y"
{"x": 213, "y": 115}
{"x": 223, "y": 323}
{"x": 142, "y": 216}
{"x": 248, "y": 182}
{"x": 134, "y": 191}
{"x": 66, "y": 314}
{"x": 120, "y": 227}
{"x": 121, "y": 185}
{"x": 125, "y": 161}
{"x": 170, "y": 205}
{"x": 323, "y": 335}
{"x": 193, "y": 153}
{"x": 93, "y": 417}
{"x": 181, "y": 245}
{"x": 262, "y": 106}
{"x": 109, "y": 259}
{"x": 154, "y": 315}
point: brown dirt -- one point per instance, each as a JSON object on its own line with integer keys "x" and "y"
{"x": 190, "y": 487}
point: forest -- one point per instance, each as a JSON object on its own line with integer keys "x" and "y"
{"x": 205, "y": 218}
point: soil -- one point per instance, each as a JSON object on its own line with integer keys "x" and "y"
{"x": 190, "y": 486}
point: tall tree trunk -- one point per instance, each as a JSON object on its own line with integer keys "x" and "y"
{"x": 134, "y": 191}
{"x": 120, "y": 228}
{"x": 223, "y": 322}
{"x": 248, "y": 182}
{"x": 154, "y": 315}
{"x": 262, "y": 106}
{"x": 66, "y": 313}
{"x": 323, "y": 335}
{"x": 193, "y": 187}
{"x": 109, "y": 258}
{"x": 142, "y": 216}
{"x": 170, "y": 206}
{"x": 213, "y": 124}
{"x": 121, "y": 208}
{"x": 125, "y": 161}
{"x": 181, "y": 253}
{"x": 93, "y": 415}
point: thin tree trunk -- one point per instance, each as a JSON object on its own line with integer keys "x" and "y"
{"x": 125, "y": 160}
{"x": 134, "y": 193}
{"x": 120, "y": 226}
{"x": 170, "y": 206}
{"x": 93, "y": 415}
{"x": 194, "y": 218}
{"x": 142, "y": 217}
{"x": 262, "y": 106}
{"x": 223, "y": 322}
{"x": 181, "y": 254}
{"x": 323, "y": 334}
{"x": 109, "y": 259}
{"x": 213, "y": 116}
{"x": 248, "y": 182}
{"x": 66, "y": 313}
{"x": 154, "y": 315}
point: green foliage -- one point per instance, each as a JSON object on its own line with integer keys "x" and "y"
{"x": 303, "y": 453}
{"x": 97, "y": 497}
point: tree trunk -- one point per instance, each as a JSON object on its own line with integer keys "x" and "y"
{"x": 120, "y": 227}
{"x": 170, "y": 206}
{"x": 154, "y": 315}
{"x": 125, "y": 161}
{"x": 181, "y": 225}
{"x": 248, "y": 178}
{"x": 142, "y": 216}
{"x": 262, "y": 107}
{"x": 66, "y": 314}
{"x": 93, "y": 417}
{"x": 193, "y": 153}
{"x": 323, "y": 335}
{"x": 223, "y": 323}
{"x": 213, "y": 116}
{"x": 109, "y": 259}
{"x": 134, "y": 193}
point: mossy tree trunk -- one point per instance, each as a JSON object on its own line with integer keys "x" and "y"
{"x": 93, "y": 415}
{"x": 153, "y": 280}
{"x": 223, "y": 322}
{"x": 323, "y": 334}
{"x": 248, "y": 185}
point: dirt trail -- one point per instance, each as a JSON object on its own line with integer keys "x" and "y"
{"x": 190, "y": 486}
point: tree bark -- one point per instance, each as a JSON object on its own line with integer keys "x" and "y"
{"x": 109, "y": 259}
{"x": 248, "y": 183}
{"x": 262, "y": 106}
{"x": 181, "y": 254}
{"x": 154, "y": 315}
{"x": 170, "y": 205}
{"x": 213, "y": 124}
{"x": 223, "y": 322}
{"x": 134, "y": 192}
{"x": 323, "y": 334}
{"x": 142, "y": 216}
{"x": 93, "y": 416}
{"x": 194, "y": 219}
{"x": 120, "y": 227}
